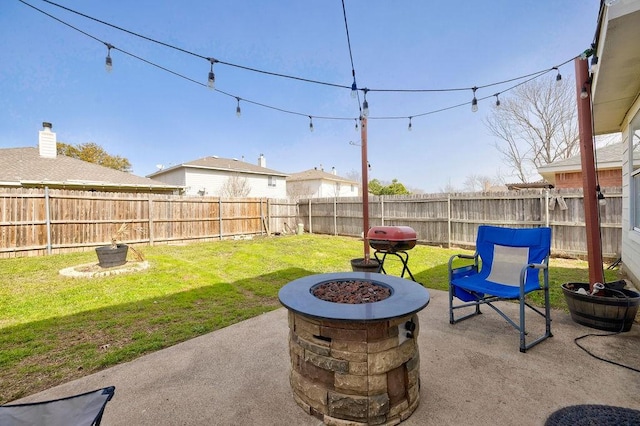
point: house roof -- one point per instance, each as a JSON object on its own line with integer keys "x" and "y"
{"x": 607, "y": 157}
{"x": 25, "y": 167}
{"x": 315, "y": 174}
{"x": 222, "y": 164}
{"x": 616, "y": 84}
{"x": 541, "y": 184}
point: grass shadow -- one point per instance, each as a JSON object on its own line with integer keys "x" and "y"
{"x": 42, "y": 354}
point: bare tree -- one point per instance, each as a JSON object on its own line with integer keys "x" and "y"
{"x": 235, "y": 187}
{"x": 299, "y": 190}
{"x": 536, "y": 125}
{"x": 448, "y": 188}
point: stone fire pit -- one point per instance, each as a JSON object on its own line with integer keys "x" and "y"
{"x": 355, "y": 362}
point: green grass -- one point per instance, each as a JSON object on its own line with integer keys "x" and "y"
{"x": 54, "y": 329}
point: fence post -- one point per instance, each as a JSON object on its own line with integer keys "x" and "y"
{"x": 310, "y": 230}
{"x": 220, "y": 216}
{"x": 48, "y": 218}
{"x": 546, "y": 208}
{"x": 335, "y": 215}
{"x": 151, "y": 236}
{"x": 382, "y": 210}
{"x": 448, "y": 220}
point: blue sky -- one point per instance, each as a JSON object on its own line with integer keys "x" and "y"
{"x": 53, "y": 73}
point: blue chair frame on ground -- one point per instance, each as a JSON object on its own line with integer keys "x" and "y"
{"x": 506, "y": 266}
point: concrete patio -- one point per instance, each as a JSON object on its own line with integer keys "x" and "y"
{"x": 471, "y": 373}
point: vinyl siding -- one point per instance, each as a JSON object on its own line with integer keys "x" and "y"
{"x": 630, "y": 237}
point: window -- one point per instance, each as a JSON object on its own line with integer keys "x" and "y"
{"x": 272, "y": 181}
{"x": 634, "y": 153}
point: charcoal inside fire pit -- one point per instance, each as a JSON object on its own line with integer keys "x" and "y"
{"x": 351, "y": 292}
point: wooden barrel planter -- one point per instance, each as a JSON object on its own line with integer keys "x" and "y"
{"x": 610, "y": 312}
{"x": 109, "y": 257}
{"x": 359, "y": 265}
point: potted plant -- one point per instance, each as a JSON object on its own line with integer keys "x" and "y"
{"x": 609, "y": 306}
{"x": 114, "y": 254}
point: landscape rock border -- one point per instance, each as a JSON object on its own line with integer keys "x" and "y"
{"x": 77, "y": 271}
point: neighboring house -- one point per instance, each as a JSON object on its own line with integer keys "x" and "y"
{"x": 316, "y": 183}
{"x": 225, "y": 177}
{"x": 615, "y": 96}
{"x": 568, "y": 173}
{"x": 42, "y": 167}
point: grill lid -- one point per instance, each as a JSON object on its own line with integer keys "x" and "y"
{"x": 392, "y": 233}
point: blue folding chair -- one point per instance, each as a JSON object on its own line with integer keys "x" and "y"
{"x": 506, "y": 266}
{"x": 78, "y": 410}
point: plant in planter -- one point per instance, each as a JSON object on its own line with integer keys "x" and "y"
{"x": 608, "y": 306}
{"x": 115, "y": 254}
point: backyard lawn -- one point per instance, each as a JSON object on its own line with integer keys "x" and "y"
{"x": 54, "y": 329}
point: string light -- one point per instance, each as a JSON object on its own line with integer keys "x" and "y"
{"x": 238, "y": 111}
{"x": 365, "y": 104}
{"x": 409, "y": 127}
{"x": 354, "y": 89}
{"x": 365, "y": 111}
{"x": 594, "y": 64}
{"x": 108, "y": 64}
{"x": 497, "y": 99}
{"x": 211, "y": 82}
{"x": 583, "y": 93}
{"x": 310, "y": 124}
{"x": 356, "y": 120}
{"x": 558, "y": 76}
{"x": 474, "y": 101}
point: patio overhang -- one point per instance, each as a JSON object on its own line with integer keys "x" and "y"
{"x": 615, "y": 84}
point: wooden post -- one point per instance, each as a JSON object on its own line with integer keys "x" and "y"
{"x": 591, "y": 213}
{"x": 365, "y": 188}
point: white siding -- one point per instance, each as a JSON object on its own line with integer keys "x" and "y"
{"x": 630, "y": 237}
{"x": 211, "y": 182}
{"x": 172, "y": 177}
{"x": 320, "y": 188}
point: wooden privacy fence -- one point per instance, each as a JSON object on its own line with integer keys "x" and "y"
{"x": 453, "y": 219}
{"x": 44, "y": 221}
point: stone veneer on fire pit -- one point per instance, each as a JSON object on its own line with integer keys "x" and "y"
{"x": 355, "y": 364}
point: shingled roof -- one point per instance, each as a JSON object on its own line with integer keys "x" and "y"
{"x": 315, "y": 174}
{"x": 222, "y": 164}
{"x": 25, "y": 167}
{"x": 607, "y": 157}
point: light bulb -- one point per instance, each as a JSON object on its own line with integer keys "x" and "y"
{"x": 356, "y": 120}
{"x": 474, "y": 101}
{"x": 310, "y": 124}
{"x": 497, "y": 100}
{"x": 409, "y": 127}
{"x": 558, "y": 77}
{"x": 601, "y": 199}
{"x": 238, "y": 112}
{"x": 594, "y": 64}
{"x": 211, "y": 81}
{"x": 354, "y": 90}
{"x": 365, "y": 104}
{"x": 583, "y": 93}
{"x": 108, "y": 64}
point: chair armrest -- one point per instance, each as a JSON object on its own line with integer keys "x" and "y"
{"x": 538, "y": 265}
{"x": 464, "y": 270}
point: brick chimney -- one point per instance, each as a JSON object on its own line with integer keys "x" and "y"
{"x": 262, "y": 162}
{"x": 47, "y": 141}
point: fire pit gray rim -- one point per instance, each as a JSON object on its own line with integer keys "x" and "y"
{"x": 407, "y": 297}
